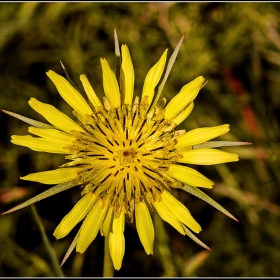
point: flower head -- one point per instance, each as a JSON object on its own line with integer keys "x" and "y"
{"x": 126, "y": 154}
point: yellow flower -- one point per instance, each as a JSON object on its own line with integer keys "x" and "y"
{"x": 125, "y": 154}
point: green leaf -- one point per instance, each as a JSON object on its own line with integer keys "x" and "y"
{"x": 52, "y": 191}
{"x": 215, "y": 144}
{"x": 167, "y": 72}
{"x": 194, "y": 238}
{"x": 198, "y": 193}
{"x": 29, "y": 121}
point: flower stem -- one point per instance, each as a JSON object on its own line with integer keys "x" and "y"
{"x": 108, "y": 270}
{"x": 53, "y": 258}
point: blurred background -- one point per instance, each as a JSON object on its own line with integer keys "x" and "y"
{"x": 235, "y": 46}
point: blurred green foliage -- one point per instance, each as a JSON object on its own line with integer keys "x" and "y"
{"x": 235, "y": 46}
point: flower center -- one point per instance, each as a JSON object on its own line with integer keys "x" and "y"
{"x": 125, "y": 152}
{"x": 126, "y": 157}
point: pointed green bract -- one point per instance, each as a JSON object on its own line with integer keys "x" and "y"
{"x": 217, "y": 144}
{"x": 167, "y": 72}
{"x": 27, "y": 120}
{"x": 198, "y": 193}
{"x": 194, "y": 238}
{"x": 52, "y": 191}
{"x": 71, "y": 248}
{"x": 117, "y": 58}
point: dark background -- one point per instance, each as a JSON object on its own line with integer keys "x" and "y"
{"x": 235, "y": 46}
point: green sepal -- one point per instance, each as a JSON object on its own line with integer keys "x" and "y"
{"x": 117, "y": 58}
{"x": 29, "y": 121}
{"x": 52, "y": 191}
{"x": 215, "y": 144}
{"x": 198, "y": 193}
{"x": 171, "y": 61}
{"x": 71, "y": 248}
{"x": 194, "y": 238}
{"x": 69, "y": 79}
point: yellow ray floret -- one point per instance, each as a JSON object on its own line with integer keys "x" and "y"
{"x": 78, "y": 212}
{"x": 189, "y": 176}
{"x": 153, "y": 78}
{"x": 183, "y": 114}
{"x": 53, "y": 135}
{"x": 180, "y": 211}
{"x": 144, "y": 226}
{"x": 56, "y": 176}
{"x": 70, "y": 94}
{"x": 127, "y": 76}
{"x": 91, "y": 226}
{"x": 89, "y": 91}
{"x": 54, "y": 116}
{"x": 186, "y": 95}
{"x": 207, "y": 157}
{"x": 200, "y": 135}
{"x": 110, "y": 85}
{"x": 107, "y": 224}
{"x": 167, "y": 216}
{"x": 117, "y": 241}
{"x": 39, "y": 144}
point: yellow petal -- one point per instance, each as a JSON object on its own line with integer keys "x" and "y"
{"x": 39, "y": 144}
{"x": 189, "y": 176}
{"x": 127, "y": 76}
{"x": 54, "y": 116}
{"x": 53, "y": 135}
{"x": 78, "y": 212}
{"x": 180, "y": 211}
{"x": 153, "y": 78}
{"x": 207, "y": 157}
{"x": 107, "y": 224}
{"x": 56, "y": 176}
{"x": 183, "y": 114}
{"x": 144, "y": 226}
{"x": 91, "y": 226}
{"x": 89, "y": 91}
{"x": 117, "y": 241}
{"x": 201, "y": 135}
{"x": 70, "y": 94}
{"x": 167, "y": 216}
{"x": 110, "y": 85}
{"x": 186, "y": 95}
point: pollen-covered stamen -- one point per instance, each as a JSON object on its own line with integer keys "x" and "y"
{"x": 125, "y": 152}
